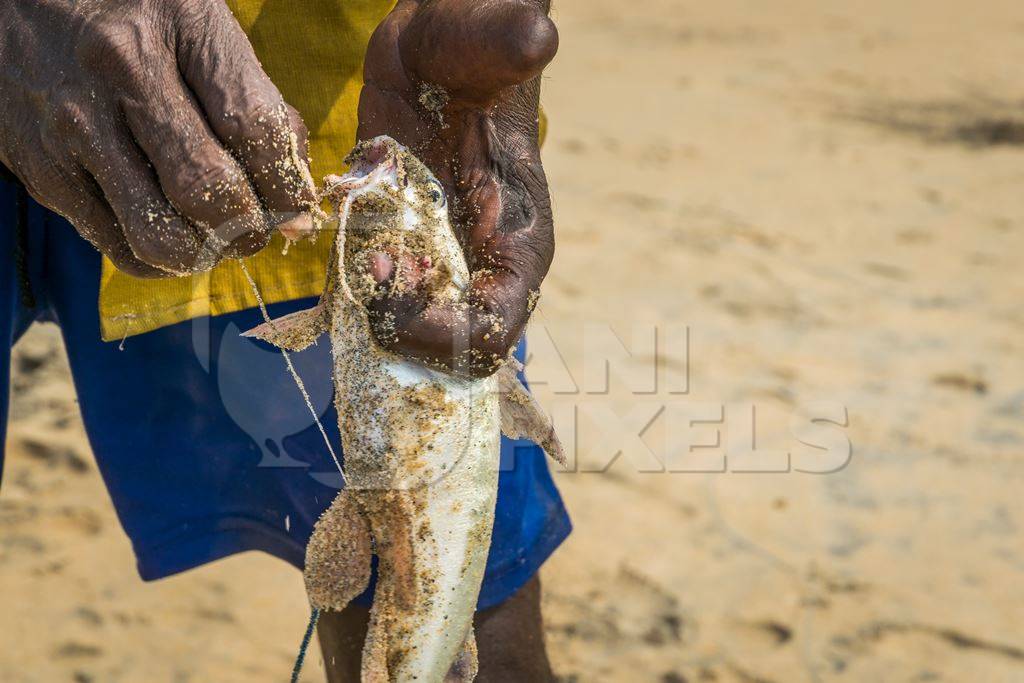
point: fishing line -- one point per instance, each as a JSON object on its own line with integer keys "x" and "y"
{"x": 295, "y": 374}
{"x": 314, "y": 617}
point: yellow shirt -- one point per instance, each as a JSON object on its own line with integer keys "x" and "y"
{"x": 313, "y": 51}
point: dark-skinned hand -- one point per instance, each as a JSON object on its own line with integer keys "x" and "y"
{"x": 152, "y": 127}
{"x": 458, "y": 82}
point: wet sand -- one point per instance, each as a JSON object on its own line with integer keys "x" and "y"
{"x": 829, "y": 198}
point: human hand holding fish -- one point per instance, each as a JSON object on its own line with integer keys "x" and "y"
{"x": 458, "y": 82}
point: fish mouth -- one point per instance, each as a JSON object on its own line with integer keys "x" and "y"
{"x": 370, "y": 163}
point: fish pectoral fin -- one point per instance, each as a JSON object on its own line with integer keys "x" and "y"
{"x": 338, "y": 555}
{"x": 521, "y": 414}
{"x": 295, "y": 331}
{"x": 465, "y": 666}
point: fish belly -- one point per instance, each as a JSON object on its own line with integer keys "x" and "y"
{"x": 453, "y": 534}
{"x": 422, "y": 455}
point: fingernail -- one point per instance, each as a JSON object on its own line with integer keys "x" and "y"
{"x": 298, "y": 228}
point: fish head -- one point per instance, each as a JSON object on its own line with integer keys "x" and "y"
{"x": 391, "y": 203}
{"x": 386, "y": 182}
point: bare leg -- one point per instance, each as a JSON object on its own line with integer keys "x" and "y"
{"x": 510, "y": 640}
{"x": 341, "y": 641}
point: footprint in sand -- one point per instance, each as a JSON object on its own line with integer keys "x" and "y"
{"x": 961, "y": 381}
{"x": 75, "y": 649}
{"x": 976, "y": 122}
{"x": 54, "y": 456}
{"x": 634, "y": 610}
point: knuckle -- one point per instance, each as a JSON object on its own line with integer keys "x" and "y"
{"x": 67, "y": 118}
{"x": 257, "y": 123}
{"x": 187, "y": 13}
{"x": 208, "y": 179}
{"x": 118, "y": 50}
{"x": 106, "y": 43}
{"x": 162, "y": 241}
{"x": 195, "y": 18}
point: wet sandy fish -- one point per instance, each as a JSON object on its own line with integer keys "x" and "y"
{"x": 421, "y": 446}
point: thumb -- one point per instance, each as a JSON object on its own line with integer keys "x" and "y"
{"x": 475, "y": 49}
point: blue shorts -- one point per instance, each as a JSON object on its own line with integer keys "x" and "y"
{"x": 201, "y": 436}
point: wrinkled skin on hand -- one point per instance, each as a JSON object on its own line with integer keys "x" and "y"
{"x": 458, "y": 82}
{"x": 152, "y": 127}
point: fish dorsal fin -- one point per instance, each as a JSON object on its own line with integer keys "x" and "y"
{"x": 521, "y": 414}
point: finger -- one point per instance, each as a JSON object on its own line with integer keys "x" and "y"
{"x": 301, "y": 225}
{"x": 245, "y": 109}
{"x": 504, "y": 206}
{"x": 78, "y": 199}
{"x": 155, "y": 232}
{"x": 92, "y": 216}
{"x": 199, "y": 177}
{"x": 479, "y": 52}
{"x": 383, "y": 110}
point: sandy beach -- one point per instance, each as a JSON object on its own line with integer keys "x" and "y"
{"x": 813, "y": 206}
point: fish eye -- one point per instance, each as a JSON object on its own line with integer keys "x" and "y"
{"x": 437, "y": 193}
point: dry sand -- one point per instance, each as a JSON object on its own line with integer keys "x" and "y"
{"x": 830, "y": 195}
